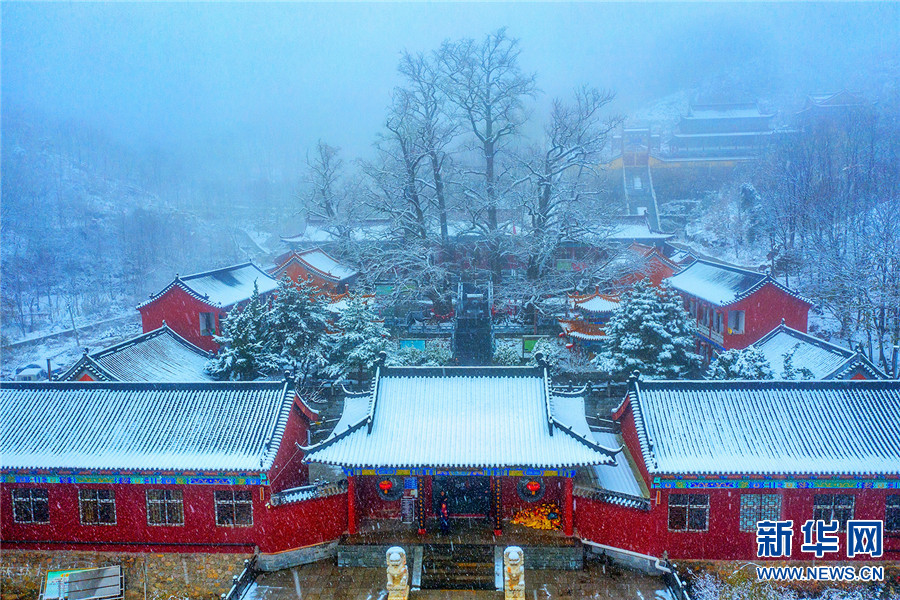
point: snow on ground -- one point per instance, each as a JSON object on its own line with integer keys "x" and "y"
{"x": 63, "y": 351}
{"x": 63, "y": 322}
{"x": 260, "y": 238}
{"x": 324, "y": 579}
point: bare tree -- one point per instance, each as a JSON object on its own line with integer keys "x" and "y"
{"x": 411, "y": 249}
{"x": 325, "y": 167}
{"x": 487, "y": 87}
{"x": 829, "y": 206}
{"x": 434, "y": 129}
{"x": 563, "y": 244}
{"x": 557, "y": 171}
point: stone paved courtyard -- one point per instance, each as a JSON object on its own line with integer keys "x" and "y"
{"x": 325, "y": 581}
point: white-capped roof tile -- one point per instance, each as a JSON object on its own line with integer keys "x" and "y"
{"x": 459, "y": 417}
{"x": 234, "y": 426}
{"x": 716, "y": 283}
{"x": 156, "y": 356}
{"x": 222, "y": 287}
{"x": 769, "y": 427}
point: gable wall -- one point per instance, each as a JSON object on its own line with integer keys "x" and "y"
{"x": 181, "y": 312}
{"x": 764, "y": 311}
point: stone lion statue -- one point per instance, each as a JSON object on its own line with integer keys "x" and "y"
{"x": 397, "y": 574}
{"x": 514, "y": 571}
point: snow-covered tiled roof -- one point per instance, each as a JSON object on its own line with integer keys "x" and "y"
{"x": 722, "y": 284}
{"x": 317, "y": 260}
{"x": 315, "y": 234}
{"x": 311, "y": 234}
{"x": 598, "y": 303}
{"x": 768, "y": 427}
{"x": 715, "y": 283}
{"x": 836, "y": 99}
{"x": 619, "y": 483}
{"x": 724, "y": 134}
{"x": 461, "y": 417}
{"x": 228, "y": 286}
{"x": 233, "y": 427}
{"x": 582, "y": 330}
{"x": 222, "y": 287}
{"x": 823, "y": 359}
{"x": 156, "y": 356}
{"x": 725, "y": 111}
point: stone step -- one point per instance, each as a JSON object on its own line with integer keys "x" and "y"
{"x": 480, "y": 570}
{"x": 458, "y": 567}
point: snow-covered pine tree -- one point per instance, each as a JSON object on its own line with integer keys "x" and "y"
{"x": 562, "y": 360}
{"x": 245, "y": 352}
{"x": 651, "y": 332}
{"x": 749, "y": 363}
{"x": 358, "y": 339}
{"x": 297, "y": 325}
{"x": 435, "y": 354}
{"x": 790, "y": 371}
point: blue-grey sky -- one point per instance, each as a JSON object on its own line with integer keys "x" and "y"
{"x": 194, "y": 78}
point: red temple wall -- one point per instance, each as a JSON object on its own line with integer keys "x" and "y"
{"x": 181, "y": 312}
{"x": 763, "y": 312}
{"x": 305, "y": 523}
{"x": 648, "y": 532}
{"x": 274, "y": 528}
{"x": 369, "y": 504}
{"x": 288, "y": 469}
{"x": 296, "y": 272}
{"x": 613, "y": 525}
{"x": 512, "y": 503}
{"x": 199, "y": 533}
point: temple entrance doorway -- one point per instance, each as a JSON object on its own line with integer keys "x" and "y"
{"x": 469, "y": 496}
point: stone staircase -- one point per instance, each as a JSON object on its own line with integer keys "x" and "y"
{"x": 458, "y": 567}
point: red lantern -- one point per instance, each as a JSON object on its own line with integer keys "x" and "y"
{"x": 385, "y": 485}
{"x": 562, "y": 334}
{"x": 570, "y": 346}
{"x": 533, "y": 486}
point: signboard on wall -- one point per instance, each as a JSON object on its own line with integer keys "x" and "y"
{"x": 408, "y": 510}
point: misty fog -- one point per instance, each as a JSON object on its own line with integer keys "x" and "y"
{"x": 228, "y": 91}
{"x": 143, "y": 140}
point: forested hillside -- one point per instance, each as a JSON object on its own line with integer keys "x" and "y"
{"x": 84, "y": 239}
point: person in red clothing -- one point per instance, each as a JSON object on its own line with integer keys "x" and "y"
{"x": 444, "y": 512}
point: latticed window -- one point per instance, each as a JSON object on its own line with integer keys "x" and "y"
{"x": 892, "y": 513}
{"x": 759, "y": 507}
{"x": 207, "y": 323}
{"x": 736, "y": 321}
{"x": 833, "y": 507}
{"x": 689, "y": 512}
{"x": 31, "y": 506}
{"x": 165, "y": 507}
{"x": 234, "y": 507}
{"x": 98, "y": 507}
